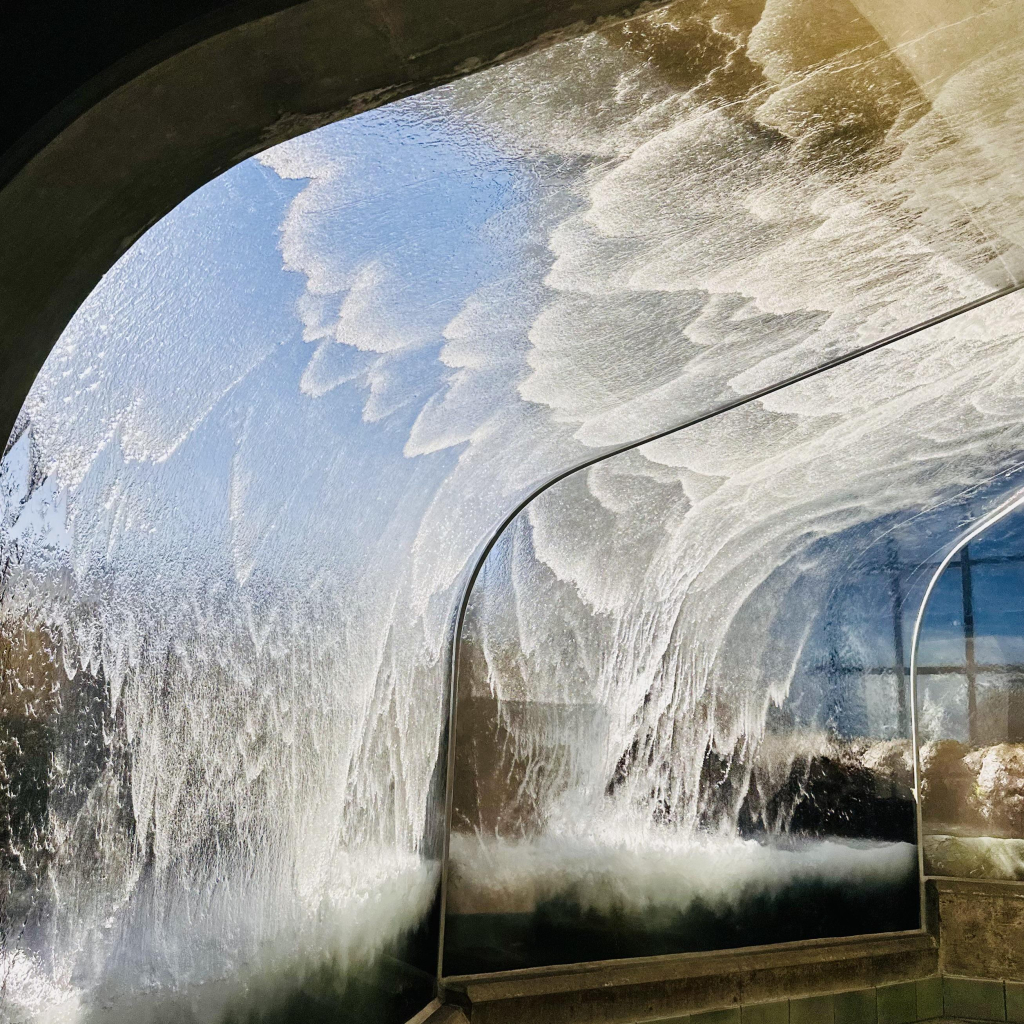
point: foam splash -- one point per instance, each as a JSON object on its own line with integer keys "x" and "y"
{"x": 610, "y": 875}
{"x": 208, "y": 958}
{"x": 974, "y": 857}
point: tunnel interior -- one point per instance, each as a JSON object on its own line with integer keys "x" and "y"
{"x": 567, "y": 515}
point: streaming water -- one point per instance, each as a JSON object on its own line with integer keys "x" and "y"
{"x": 250, "y": 481}
{"x": 667, "y": 703}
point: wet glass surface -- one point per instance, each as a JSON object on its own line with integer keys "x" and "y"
{"x": 684, "y": 705}
{"x": 971, "y": 708}
{"x": 248, "y": 488}
{"x": 222, "y": 791}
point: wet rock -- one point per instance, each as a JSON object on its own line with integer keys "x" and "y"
{"x": 892, "y": 759}
{"x": 948, "y": 786}
{"x": 827, "y": 796}
{"x": 28, "y": 699}
{"x": 999, "y": 788}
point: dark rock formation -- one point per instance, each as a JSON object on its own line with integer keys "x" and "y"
{"x": 828, "y": 797}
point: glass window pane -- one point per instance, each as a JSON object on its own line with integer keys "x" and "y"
{"x": 972, "y": 724}
{"x": 694, "y": 661}
{"x": 998, "y": 606}
{"x": 942, "y": 705}
{"x": 250, "y": 485}
{"x": 210, "y": 809}
{"x": 943, "y": 645}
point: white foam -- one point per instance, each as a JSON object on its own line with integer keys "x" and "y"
{"x": 279, "y": 431}
{"x": 651, "y": 877}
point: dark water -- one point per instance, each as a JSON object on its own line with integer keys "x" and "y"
{"x": 394, "y": 988}
{"x": 562, "y": 932}
{"x": 389, "y": 993}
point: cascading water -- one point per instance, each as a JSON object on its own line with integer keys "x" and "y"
{"x": 252, "y": 818}
{"x": 692, "y": 749}
{"x": 250, "y": 481}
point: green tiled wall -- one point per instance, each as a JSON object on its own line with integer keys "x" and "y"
{"x": 904, "y": 1003}
{"x": 812, "y": 1010}
{"x": 770, "y": 1013}
{"x": 973, "y": 1000}
{"x": 855, "y": 1007}
{"x": 730, "y": 1016}
{"x": 897, "y": 1004}
{"x": 929, "y": 998}
{"x": 1014, "y": 1002}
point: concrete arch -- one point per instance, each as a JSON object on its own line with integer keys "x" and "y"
{"x": 121, "y": 150}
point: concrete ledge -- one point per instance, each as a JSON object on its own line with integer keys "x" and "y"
{"x": 660, "y": 988}
{"x": 426, "y": 1013}
{"x": 973, "y": 999}
{"x": 436, "y": 1013}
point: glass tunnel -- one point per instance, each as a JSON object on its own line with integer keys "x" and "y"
{"x": 571, "y": 514}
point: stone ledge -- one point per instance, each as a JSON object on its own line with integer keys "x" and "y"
{"x": 626, "y": 991}
{"x": 438, "y": 1013}
{"x": 940, "y": 999}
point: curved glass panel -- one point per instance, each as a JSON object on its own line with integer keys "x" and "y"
{"x": 684, "y": 708}
{"x": 210, "y": 810}
{"x": 249, "y": 486}
{"x": 970, "y": 692}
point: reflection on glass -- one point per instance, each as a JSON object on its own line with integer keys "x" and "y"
{"x": 248, "y": 487}
{"x": 734, "y": 194}
{"x": 970, "y": 687}
{"x": 684, "y": 709}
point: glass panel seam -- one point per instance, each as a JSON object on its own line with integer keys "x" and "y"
{"x": 1014, "y": 503}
